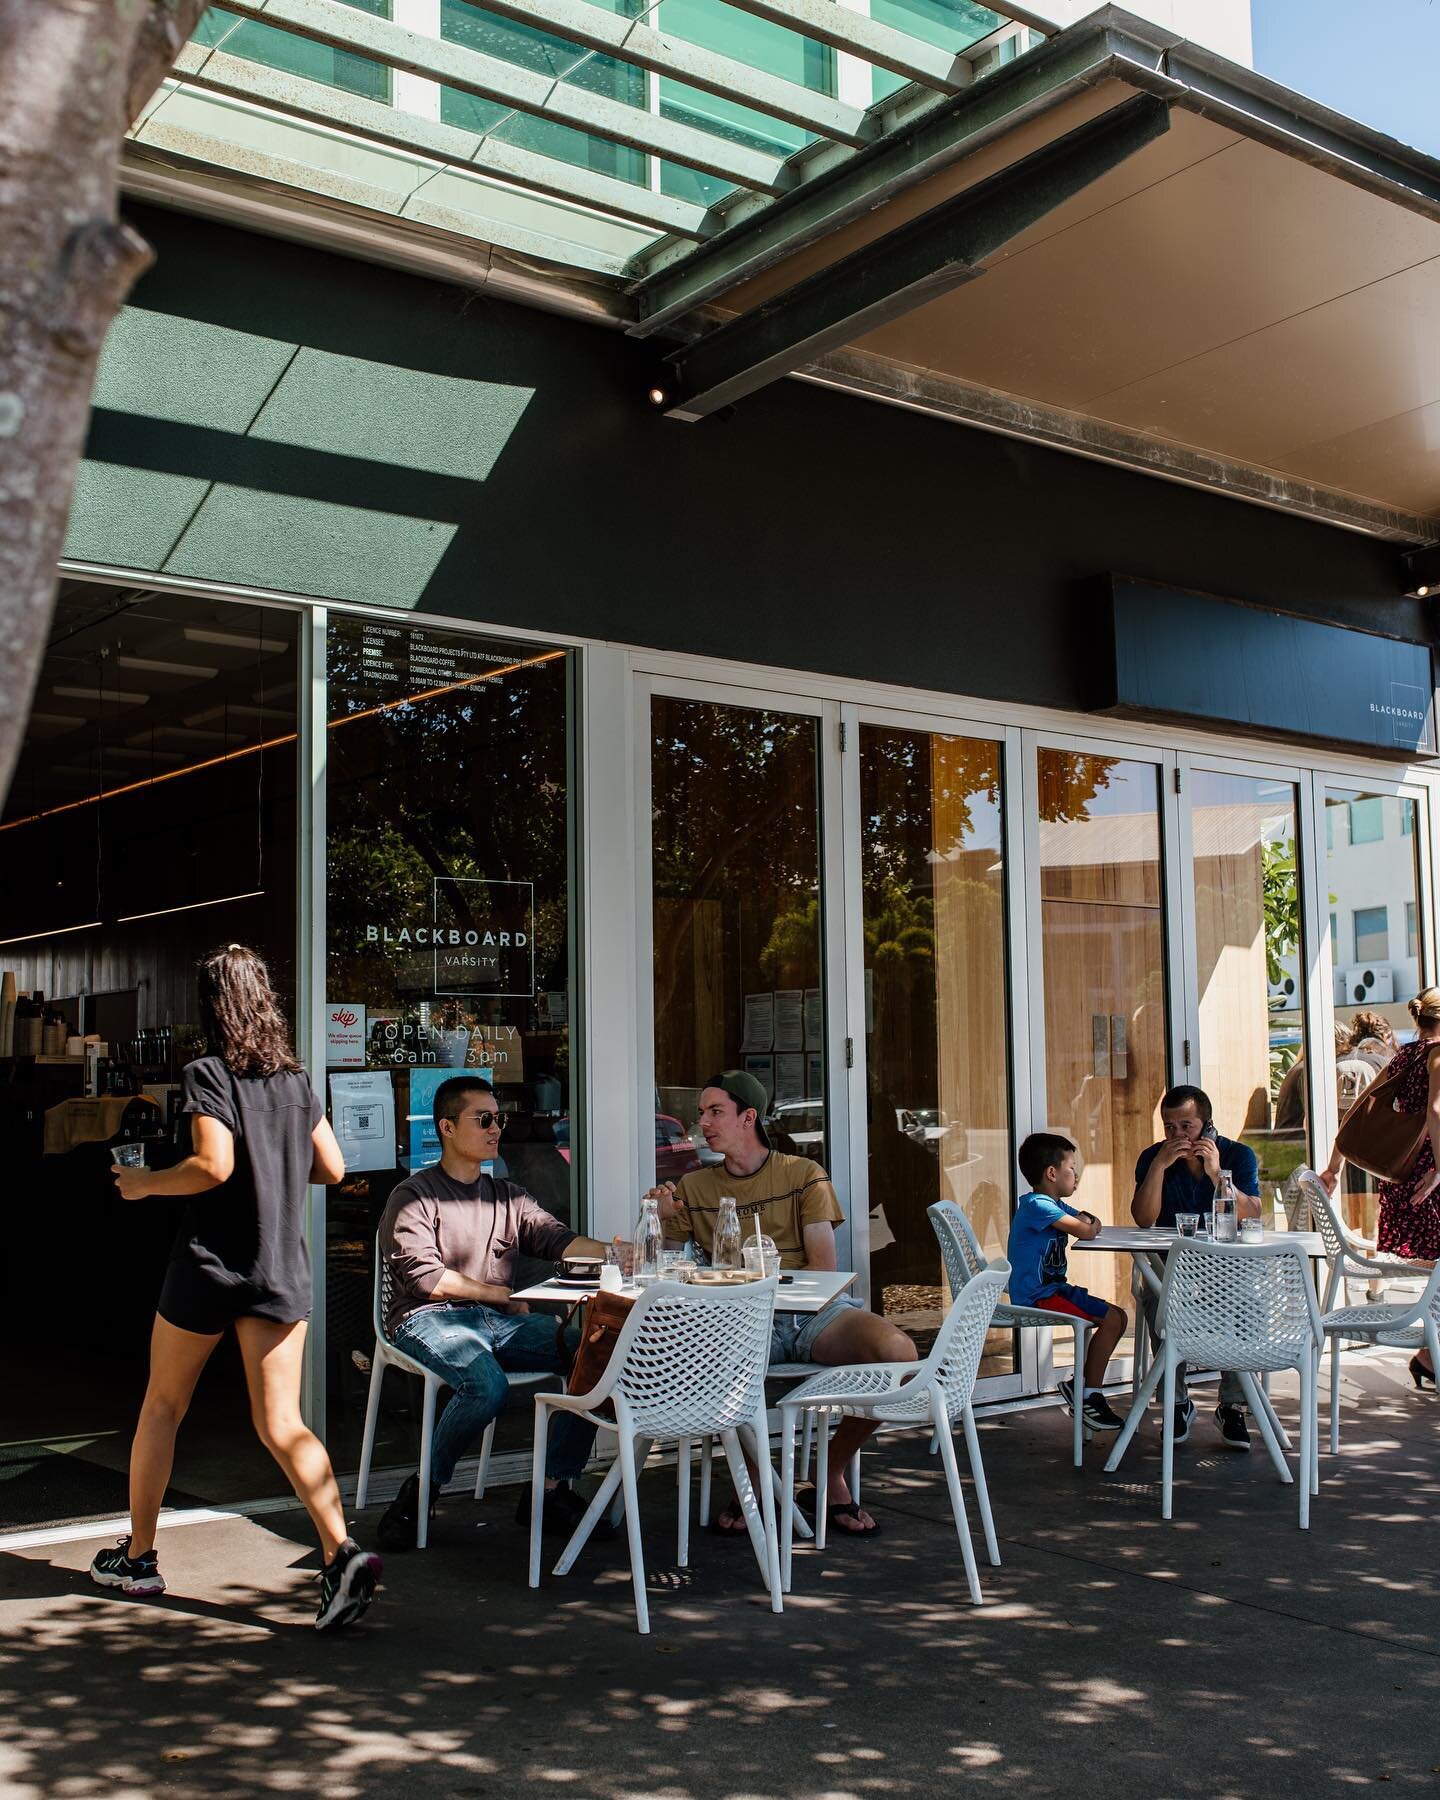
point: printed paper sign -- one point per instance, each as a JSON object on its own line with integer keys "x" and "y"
{"x": 362, "y": 1110}
{"x": 345, "y": 1034}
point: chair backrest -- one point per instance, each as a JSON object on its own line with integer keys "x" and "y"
{"x": 964, "y": 1259}
{"x": 691, "y": 1360}
{"x": 954, "y": 1362}
{"x": 1238, "y": 1306}
{"x": 382, "y": 1291}
{"x": 1323, "y": 1216}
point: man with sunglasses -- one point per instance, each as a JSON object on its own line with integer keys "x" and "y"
{"x": 450, "y": 1235}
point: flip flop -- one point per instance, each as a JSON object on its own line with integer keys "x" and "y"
{"x": 850, "y": 1509}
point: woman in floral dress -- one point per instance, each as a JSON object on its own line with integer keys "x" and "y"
{"x": 1409, "y": 1224}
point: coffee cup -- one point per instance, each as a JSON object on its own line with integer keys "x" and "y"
{"x": 579, "y": 1268}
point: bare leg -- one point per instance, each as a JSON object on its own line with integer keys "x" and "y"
{"x": 856, "y": 1337}
{"x": 273, "y": 1355}
{"x": 1103, "y": 1339}
{"x": 176, "y": 1359}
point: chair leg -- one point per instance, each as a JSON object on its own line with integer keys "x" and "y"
{"x": 787, "y": 1493}
{"x": 767, "y": 1518}
{"x": 982, "y": 1491}
{"x": 537, "y": 1486}
{"x": 1281, "y": 1434}
{"x": 1335, "y": 1393}
{"x": 1167, "y": 1433}
{"x": 482, "y": 1473}
{"x": 427, "y": 1439}
{"x": 1316, "y": 1357}
{"x": 629, "y": 1481}
{"x": 807, "y": 1446}
{"x": 962, "y": 1524}
{"x": 682, "y": 1503}
{"x": 822, "y": 1477}
{"x": 1082, "y": 1339}
{"x": 1307, "y": 1426}
{"x": 745, "y": 1493}
{"x": 599, "y": 1501}
{"x": 1134, "y": 1416}
{"x": 1261, "y": 1414}
{"x": 372, "y": 1415}
{"x": 707, "y": 1450}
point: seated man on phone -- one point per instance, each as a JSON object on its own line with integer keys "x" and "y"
{"x": 451, "y": 1234}
{"x": 796, "y": 1206}
{"x": 1181, "y": 1174}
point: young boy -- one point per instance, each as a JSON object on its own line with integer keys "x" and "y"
{"x": 1038, "y": 1232}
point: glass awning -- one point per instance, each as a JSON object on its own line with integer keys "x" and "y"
{"x": 611, "y": 137}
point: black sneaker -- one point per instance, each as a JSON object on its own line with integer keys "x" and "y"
{"x": 1183, "y": 1419}
{"x": 1099, "y": 1415}
{"x": 132, "y": 1575}
{"x": 1066, "y": 1390}
{"x": 347, "y": 1586}
{"x": 1234, "y": 1432}
{"x": 562, "y": 1512}
{"x": 400, "y": 1521}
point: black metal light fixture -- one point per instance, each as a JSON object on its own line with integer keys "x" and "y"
{"x": 1421, "y": 569}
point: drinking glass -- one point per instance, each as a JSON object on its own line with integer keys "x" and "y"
{"x": 1207, "y": 1225}
{"x": 129, "y": 1156}
{"x": 1187, "y": 1224}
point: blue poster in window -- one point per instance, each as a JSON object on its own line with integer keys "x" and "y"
{"x": 421, "y": 1136}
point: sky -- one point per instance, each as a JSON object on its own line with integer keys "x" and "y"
{"x": 1376, "y": 60}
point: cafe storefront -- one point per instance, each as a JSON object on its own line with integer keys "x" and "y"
{"x": 407, "y": 632}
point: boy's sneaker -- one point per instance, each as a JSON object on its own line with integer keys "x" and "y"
{"x": 1184, "y": 1418}
{"x": 1066, "y": 1390}
{"x": 1099, "y": 1415}
{"x": 1233, "y": 1429}
{"x": 132, "y": 1575}
{"x": 347, "y": 1586}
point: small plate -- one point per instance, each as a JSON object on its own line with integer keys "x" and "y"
{"x": 723, "y": 1277}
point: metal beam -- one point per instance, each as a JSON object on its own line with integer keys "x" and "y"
{"x": 917, "y": 262}
{"x": 528, "y": 91}
{"x": 314, "y": 101}
{"x": 636, "y": 42}
{"x": 852, "y": 371}
{"x": 859, "y": 35}
{"x": 1031, "y": 85}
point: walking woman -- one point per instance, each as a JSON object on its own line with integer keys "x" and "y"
{"x": 1409, "y": 1215}
{"x": 259, "y": 1137}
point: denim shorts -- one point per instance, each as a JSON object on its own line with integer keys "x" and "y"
{"x": 792, "y": 1339}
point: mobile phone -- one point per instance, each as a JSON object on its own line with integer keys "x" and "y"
{"x": 1207, "y": 1130}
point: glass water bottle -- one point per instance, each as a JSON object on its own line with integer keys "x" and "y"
{"x": 1226, "y": 1209}
{"x": 726, "y": 1253}
{"x": 648, "y": 1239}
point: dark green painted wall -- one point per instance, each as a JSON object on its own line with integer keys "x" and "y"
{"x": 280, "y": 417}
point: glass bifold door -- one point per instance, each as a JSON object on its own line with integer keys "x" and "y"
{"x": 926, "y": 938}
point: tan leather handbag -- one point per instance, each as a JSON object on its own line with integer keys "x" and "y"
{"x": 1378, "y": 1138}
{"x": 602, "y": 1320}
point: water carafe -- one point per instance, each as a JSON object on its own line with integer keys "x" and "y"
{"x": 1226, "y": 1220}
{"x": 648, "y": 1240}
{"x": 726, "y": 1251}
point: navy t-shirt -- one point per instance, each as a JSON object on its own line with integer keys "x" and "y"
{"x": 1185, "y": 1192}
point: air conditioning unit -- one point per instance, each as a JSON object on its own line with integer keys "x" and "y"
{"x": 1367, "y": 984}
{"x": 1284, "y": 993}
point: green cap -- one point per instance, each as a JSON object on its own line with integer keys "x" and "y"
{"x": 745, "y": 1090}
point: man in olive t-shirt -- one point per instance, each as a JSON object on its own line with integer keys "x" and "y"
{"x": 797, "y": 1207}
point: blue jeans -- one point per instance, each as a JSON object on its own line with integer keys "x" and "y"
{"x": 470, "y": 1348}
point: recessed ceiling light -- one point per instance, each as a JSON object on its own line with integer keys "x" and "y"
{"x": 235, "y": 640}
{"x": 121, "y": 696}
{"x": 151, "y": 666}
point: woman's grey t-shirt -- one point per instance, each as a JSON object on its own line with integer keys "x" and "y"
{"x": 250, "y": 1231}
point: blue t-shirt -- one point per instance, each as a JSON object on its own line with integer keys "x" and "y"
{"x": 1036, "y": 1249}
{"x": 1185, "y": 1192}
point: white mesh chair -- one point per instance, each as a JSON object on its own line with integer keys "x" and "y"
{"x": 1246, "y": 1307}
{"x": 964, "y": 1259}
{"x": 933, "y": 1393}
{"x": 1406, "y": 1325}
{"x": 1348, "y": 1258}
{"x": 386, "y": 1356}
{"x": 689, "y": 1363}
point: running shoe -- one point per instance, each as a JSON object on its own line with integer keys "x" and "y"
{"x": 1234, "y": 1432}
{"x": 347, "y": 1586}
{"x": 1182, "y": 1420}
{"x": 131, "y": 1574}
{"x": 1099, "y": 1415}
{"x": 1066, "y": 1390}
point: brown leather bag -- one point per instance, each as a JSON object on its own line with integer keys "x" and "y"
{"x": 1375, "y": 1137}
{"x": 602, "y": 1320}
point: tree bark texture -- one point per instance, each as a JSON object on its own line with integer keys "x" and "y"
{"x": 73, "y": 75}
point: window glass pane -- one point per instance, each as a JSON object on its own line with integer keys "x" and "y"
{"x": 735, "y": 841}
{"x": 1367, "y": 820}
{"x": 547, "y": 55}
{"x": 448, "y": 928}
{"x": 937, "y": 1065}
{"x": 1371, "y": 876}
{"x": 1250, "y": 966}
{"x": 1372, "y": 935}
{"x": 278, "y": 49}
{"x": 1103, "y": 943}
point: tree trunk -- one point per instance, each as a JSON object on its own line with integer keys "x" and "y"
{"x": 73, "y": 75}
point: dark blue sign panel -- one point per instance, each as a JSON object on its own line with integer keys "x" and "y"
{"x": 1164, "y": 654}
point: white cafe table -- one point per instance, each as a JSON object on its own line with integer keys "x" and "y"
{"x": 806, "y": 1290}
